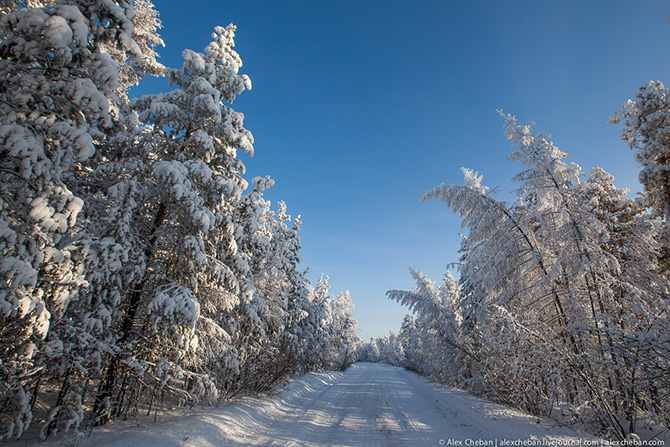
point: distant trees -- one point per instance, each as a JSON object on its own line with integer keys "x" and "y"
{"x": 136, "y": 264}
{"x": 429, "y": 341}
{"x": 563, "y": 294}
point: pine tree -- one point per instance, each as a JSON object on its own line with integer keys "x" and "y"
{"x": 61, "y": 89}
{"x": 646, "y": 122}
{"x": 182, "y": 185}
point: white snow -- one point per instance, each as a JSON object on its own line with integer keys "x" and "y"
{"x": 367, "y": 405}
{"x": 58, "y": 33}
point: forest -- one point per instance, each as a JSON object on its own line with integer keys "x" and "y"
{"x": 561, "y": 305}
{"x": 139, "y": 267}
{"x": 141, "y": 270}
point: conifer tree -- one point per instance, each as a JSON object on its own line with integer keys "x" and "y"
{"x": 187, "y": 182}
{"x": 60, "y": 91}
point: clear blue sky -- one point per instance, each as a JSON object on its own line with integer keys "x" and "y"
{"x": 359, "y": 107}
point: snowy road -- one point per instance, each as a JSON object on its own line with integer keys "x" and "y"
{"x": 368, "y": 405}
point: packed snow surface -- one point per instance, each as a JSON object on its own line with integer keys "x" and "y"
{"x": 367, "y": 405}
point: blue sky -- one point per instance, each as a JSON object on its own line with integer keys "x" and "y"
{"x": 359, "y": 107}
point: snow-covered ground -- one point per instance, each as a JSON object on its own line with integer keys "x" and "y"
{"x": 367, "y": 405}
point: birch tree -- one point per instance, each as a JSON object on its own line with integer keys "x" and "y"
{"x": 547, "y": 283}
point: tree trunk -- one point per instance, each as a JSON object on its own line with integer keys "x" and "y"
{"x": 106, "y": 390}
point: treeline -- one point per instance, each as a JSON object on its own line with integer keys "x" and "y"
{"x": 138, "y": 266}
{"x": 562, "y": 299}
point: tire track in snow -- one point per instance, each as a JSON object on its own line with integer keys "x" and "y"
{"x": 367, "y": 405}
{"x": 282, "y": 431}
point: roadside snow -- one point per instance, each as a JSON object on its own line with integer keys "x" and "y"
{"x": 367, "y": 405}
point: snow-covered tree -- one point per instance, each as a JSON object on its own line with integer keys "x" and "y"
{"x": 646, "y": 130}
{"x": 134, "y": 267}
{"x": 344, "y": 338}
{"x": 432, "y": 341}
{"x": 7, "y": 6}
{"x": 180, "y": 187}
{"x": 548, "y": 285}
{"x": 60, "y": 95}
{"x": 271, "y": 350}
{"x": 389, "y": 350}
{"x": 333, "y": 339}
{"x": 368, "y": 352}
{"x": 633, "y": 314}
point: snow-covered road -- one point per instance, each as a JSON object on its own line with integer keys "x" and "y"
{"x": 367, "y": 405}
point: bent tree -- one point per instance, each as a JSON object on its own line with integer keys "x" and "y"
{"x": 562, "y": 293}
